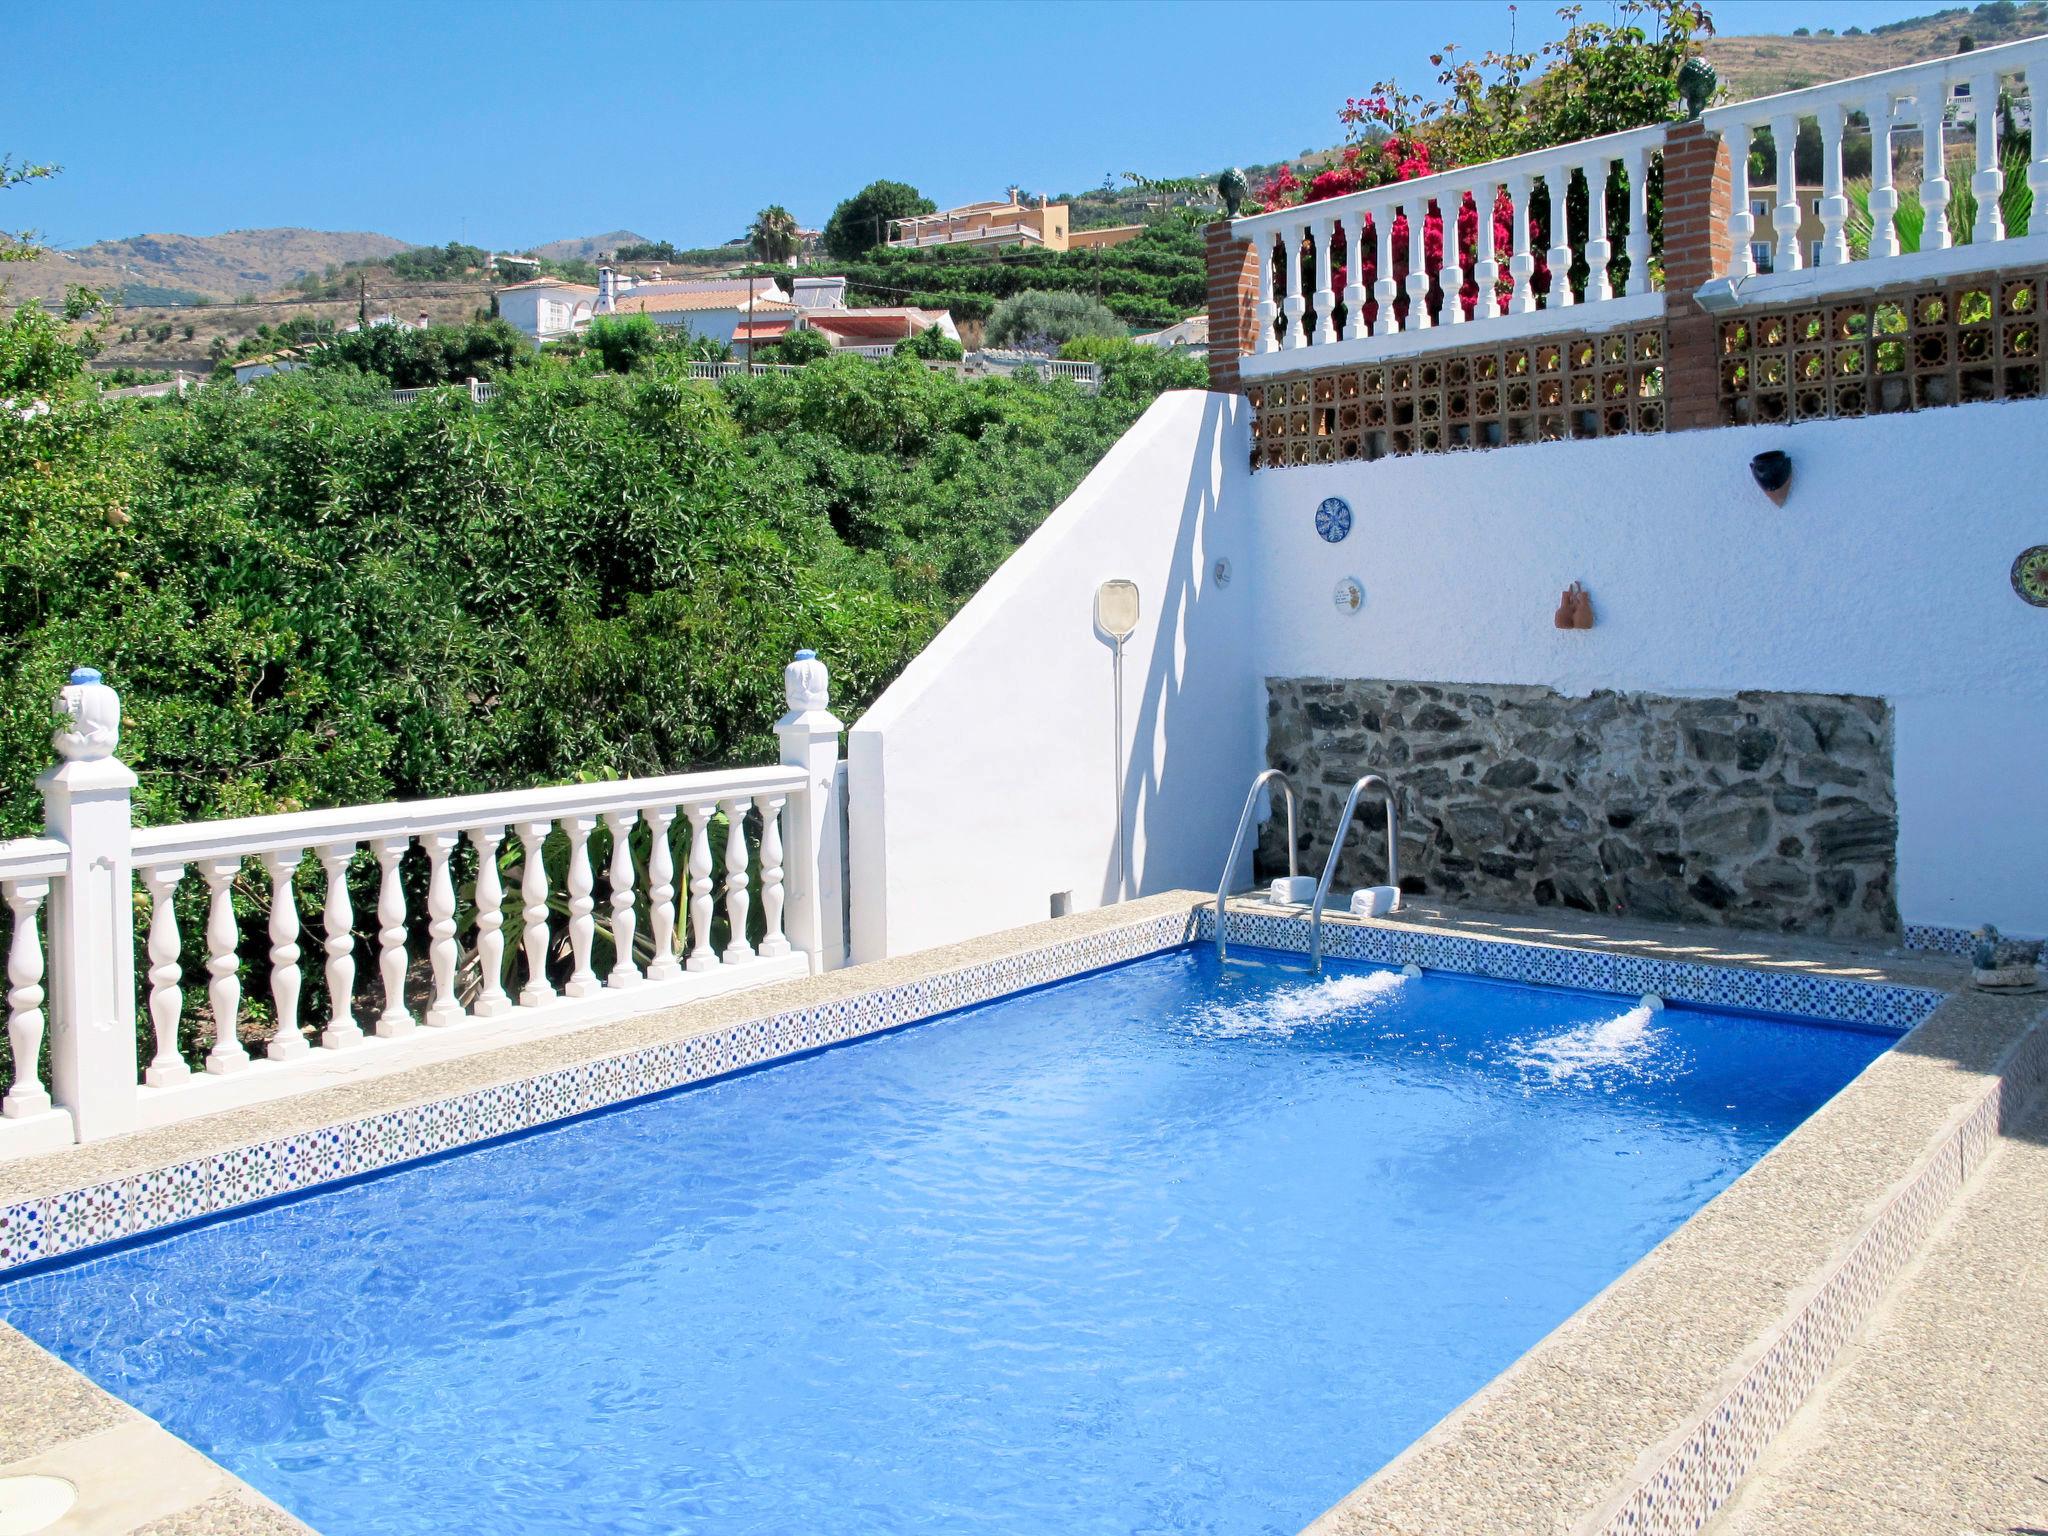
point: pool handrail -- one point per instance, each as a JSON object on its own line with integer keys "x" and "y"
{"x": 1244, "y": 822}
{"x": 1315, "y": 915}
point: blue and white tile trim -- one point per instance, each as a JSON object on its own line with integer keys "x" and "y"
{"x": 1682, "y": 1494}
{"x": 61, "y": 1224}
{"x": 1944, "y": 941}
{"x": 1839, "y": 999}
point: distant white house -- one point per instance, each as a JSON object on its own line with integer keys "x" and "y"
{"x": 547, "y": 308}
{"x": 1191, "y": 335}
{"x": 738, "y": 311}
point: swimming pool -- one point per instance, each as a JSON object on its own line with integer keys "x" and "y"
{"x": 1150, "y": 1250}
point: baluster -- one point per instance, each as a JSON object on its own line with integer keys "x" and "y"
{"x": 624, "y": 971}
{"x": 26, "y": 1095}
{"x": 1639, "y": 220}
{"x": 223, "y": 967}
{"x": 1354, "y": 275}
{"x": 1486, "y": 262}
{"x": 166, "y": 997}
{"x": 1384, "y": 289}
{"x": 702, "y": 956}
{"x": 1558, "y": 184}
{"x": 444, "y": 1010}
{"x": 737, "y": 950}
{"x": 1599, "y": 249}
{"x": 1322, "y": 235}
{"x": 1834, "y": 207}
{"x": 1294, "y": 304}
{"x": 1522, "y": 261}
{"x": 1263, "y": 339}
{"x": 1418, "y": 267}
{"x": 394, "y": 1020}
{"x": 1884, "y": 197}
{"x": 1741, "y": 222}
{"x": 490, "y": 924}
{"x": 1989, "y": 182}
{"x": 1785, "y": 216}
{"x": 338, "y": 920}
{"x": 773, "y": 941}
{"x": 281, "y": 864}
{"x": 661, "y": 894}
{"x": 583, "y": 980}
{"x": 533, "y": 895}
{"x": 2037, "y": 99}
{"x": 1934, "y": 187}
{"x": 1450, "y": 278}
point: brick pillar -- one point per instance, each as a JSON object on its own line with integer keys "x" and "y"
{"x": 1233, "y": 300}
{"x": 1696, "y": 250}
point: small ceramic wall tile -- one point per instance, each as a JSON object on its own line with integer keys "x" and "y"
{"x": 24, "y": 1233}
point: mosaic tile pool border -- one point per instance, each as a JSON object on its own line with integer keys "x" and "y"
{"x": 1838, "y": 999}
{"x": 65, "y": 1223}
{"x": 1946, "y": 941}
{"x": 1716, "y": 1452}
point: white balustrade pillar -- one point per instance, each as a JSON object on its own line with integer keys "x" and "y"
{"x": 702, "y": 956}
{"x": 166, "y": 995}
{"x": 737, "y": 900}
{"x": 815, "y": 916}
{"x": 1486, "y": 262}
{"x": 1989, "y": 182}
{"x": 223, "y": 966}
{"x": 1741, "y": 222}
{"x": 1785, "y": 216}
{"x": 533, "y": 896}
{"x": 338, "y": 923}
{"x": 1834, "y": 207}
{"x": 2037, "y": 103}
{"x": 1638, "y": 247}
{"x": 1294, "y": 306}
{"x": 445, "y": 1009}
{"x": 1450, "y": 278}
{"x": 1384, "y": 289}
{"x": 1521, "y": 260}
{"x": 661, "y": 894}
{"x": 1559, "y": 257}
{"x": 1322, "y": 233}
{"x": 491, "y": 999}
{"x": 1884, "y": 197}
{"x": 1354, "y": 275}
{"x": 1934, "y": 188}
{"x": 582, "y": 980}
{"x": 91, "y": 915}
{"x": 1599, "y": 249}
{"x": 280, "y": 864}
{"x": 26, "y": 1094}
{"x": 774, "y": 941}
{"x": 1267, "y": 312}
{"x": 396, "y": 1019}
{"x": 1418, "y": 266}
{"x": 624, "y": 972}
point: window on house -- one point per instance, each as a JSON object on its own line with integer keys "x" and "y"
{"x": 1813, "y": 254}
{"x": 1760, "y": 207}
{"x": 1816, "y": 207}
{"x": 1760, "y": 254}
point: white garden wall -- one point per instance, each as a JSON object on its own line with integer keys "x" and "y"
{"x": 1886, "y": 573}
{"x": 981, "y": 782}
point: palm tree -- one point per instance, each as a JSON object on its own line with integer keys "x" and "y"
{"x": 774, "y": 236}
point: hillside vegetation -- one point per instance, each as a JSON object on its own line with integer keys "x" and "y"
{"x": 1752, "y": 66}
{"x": 187, "y": 268}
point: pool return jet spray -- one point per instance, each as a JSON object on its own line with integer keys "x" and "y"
{"x": 1116, "y": 615}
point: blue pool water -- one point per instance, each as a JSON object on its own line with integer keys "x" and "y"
{"x": 1149, "y": 1251}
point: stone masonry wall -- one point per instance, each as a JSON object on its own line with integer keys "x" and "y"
{"x": 1764, "y": 810}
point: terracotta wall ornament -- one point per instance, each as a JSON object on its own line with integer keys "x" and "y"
{"x": 1574, "y": 608}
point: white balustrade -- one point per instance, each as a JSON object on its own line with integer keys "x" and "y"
{"x": 1291, "y": 323}
{"x": 257, "y": 860}
{"x": 1908, "y": 113}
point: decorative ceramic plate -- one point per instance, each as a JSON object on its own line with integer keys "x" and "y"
{"x": 1333, "y": 519}
{"x": 2030, "y": 575}
{"x": 1349, "y": 595}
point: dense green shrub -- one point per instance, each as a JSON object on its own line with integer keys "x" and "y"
{"x": 1039, "y": 319}
{"x": 931, "y": 345}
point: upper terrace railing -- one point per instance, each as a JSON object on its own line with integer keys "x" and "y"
{"x": 1913, "y": 101}
{"x": 1502, "y": 288}
{"x": 709, "y": 882}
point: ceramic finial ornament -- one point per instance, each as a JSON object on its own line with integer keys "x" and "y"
{"x": 1696, "y": 83}
{"x": 1233, "y": 189}
{"x": 1772, "y": 472}
{"x": 1574, "y": 608}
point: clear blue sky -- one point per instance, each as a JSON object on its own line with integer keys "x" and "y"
{"x": 521, "y": 121}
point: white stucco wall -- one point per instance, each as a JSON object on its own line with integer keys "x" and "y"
{"x": 981, "y": 781}
{"x": 1886, "y": 573}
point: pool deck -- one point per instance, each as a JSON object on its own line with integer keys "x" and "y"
{"x": 1552, "y": 1445}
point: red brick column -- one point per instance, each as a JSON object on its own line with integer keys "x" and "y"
{"x": 1233, "y": 301}
{"x": 1696, "y": 250}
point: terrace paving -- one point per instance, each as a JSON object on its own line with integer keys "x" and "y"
{"x": 1932, "y": 1422}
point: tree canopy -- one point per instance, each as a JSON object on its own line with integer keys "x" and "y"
{"x": 862, "y": 222}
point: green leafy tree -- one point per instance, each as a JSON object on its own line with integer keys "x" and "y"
{"x": 931, "y": 345}
{"x": 1046, "y": 321}
{"x": 862, "y": 222}
{"x": 773, "y": 236}
{"x": 798, "y": 346}
{"x": 21, "y": 245}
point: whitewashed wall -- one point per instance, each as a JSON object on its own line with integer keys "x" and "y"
{"x": 1886, "y": 573}
{"x": 981, "y": 781}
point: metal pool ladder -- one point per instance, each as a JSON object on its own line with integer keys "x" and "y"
{"x": 1315, "y": 915}
{"x": 1244, "y": 822}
